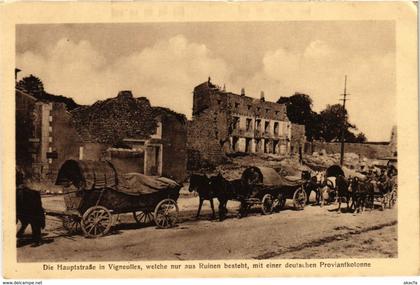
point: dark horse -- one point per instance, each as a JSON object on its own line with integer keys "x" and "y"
{"x": 201, "y": 184}
{"x": 226, "y": 190}
{"x": 362, "y": 194}
{"x": 342, "y": 190}
{"x": 29, "y": 210}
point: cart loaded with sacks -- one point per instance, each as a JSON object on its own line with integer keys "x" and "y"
{"x": 94, "y": 192}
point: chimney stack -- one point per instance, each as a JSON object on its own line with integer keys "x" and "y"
{"x": 243, "y": 92}
{"x": 262, "y": 98}
{"x": 125, "y": 94}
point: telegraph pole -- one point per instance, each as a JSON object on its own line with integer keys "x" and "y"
{"x": 344, "y": 120}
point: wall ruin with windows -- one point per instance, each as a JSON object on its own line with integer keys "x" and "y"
{"x": 225, "y": 122}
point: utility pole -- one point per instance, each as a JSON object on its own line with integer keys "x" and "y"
{"x": 344, "y": 120}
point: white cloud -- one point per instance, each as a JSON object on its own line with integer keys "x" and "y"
{"x": 319, "y": 71}
{"x": 318, "y": 50}
{"x": 165, "y": 73}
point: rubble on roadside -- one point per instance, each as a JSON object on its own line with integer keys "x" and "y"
{"x": 290, "y": 165}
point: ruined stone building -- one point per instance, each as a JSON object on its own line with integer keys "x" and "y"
{"x": 224, "y": 122}
{"x": 45, "y": 136}
{"x": 134, "y": 135}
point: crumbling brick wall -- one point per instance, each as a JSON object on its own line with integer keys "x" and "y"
{"x": 65, "y": 139}
{"x": 108, "y": 123}
{"x": 205, "y": 140}
{"x": 174, "y": 140}
{"x": 114, "y": 119}
{"x": 208, "y": 132}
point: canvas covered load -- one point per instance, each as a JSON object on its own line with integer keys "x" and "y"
{"x": 90, "y": 175}
{"x": 138, "y": 184}
{"x": 268, "y": 177}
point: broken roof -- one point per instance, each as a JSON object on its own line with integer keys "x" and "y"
{"x": 111, "y": 120}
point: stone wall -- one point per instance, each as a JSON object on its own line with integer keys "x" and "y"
{"x": 65, "y": 139}
{"x": 174, "y": 141}
{"x": 205, "y": 145}
{"x": 369, "y": 150}
{"x": 25, "y": 149}
{"x": 253, "y": 107}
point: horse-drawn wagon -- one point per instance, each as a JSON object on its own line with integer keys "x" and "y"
{"x": 264, "y": 186}
{"x": 94, "y": 192}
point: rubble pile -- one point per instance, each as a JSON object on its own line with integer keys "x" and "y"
{"x": 290, "y": 166}
{"x": 110, "y": 120}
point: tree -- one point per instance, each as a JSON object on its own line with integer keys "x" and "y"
{"x": 299, "y": 111}
{"x": 327, "y": 125}
{"x": 332, "y": 124}
{"x": 32, "y": 85}
{"x": 299, "y": 107}
{"x": 361, "y": 138}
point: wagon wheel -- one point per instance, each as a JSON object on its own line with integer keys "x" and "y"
{"x": 267, "y": 204}
{"x": 96, "y": 221}
{"x": 72, "y": 224}
{"x": 166, "y": 213}
{"x": 144, "y": 217}
{"x": 299, "y": 199}
{"x": 279, "y": 202}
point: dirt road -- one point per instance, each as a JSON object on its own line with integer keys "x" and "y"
{"x": 313, "y": 233}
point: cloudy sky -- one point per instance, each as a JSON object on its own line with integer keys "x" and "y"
{"x": 164, "y": 61}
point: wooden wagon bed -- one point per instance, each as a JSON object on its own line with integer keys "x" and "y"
{"x": 94, "y": 191}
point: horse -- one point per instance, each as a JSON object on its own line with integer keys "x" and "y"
{"x": 342, "y": 190}
{"x": 327, "y": 187}
{"x": 362, "y": 194}
{"x": 29, "y": 211}
{"x": 226, "y": 190}
{"x": 201, "y": 184}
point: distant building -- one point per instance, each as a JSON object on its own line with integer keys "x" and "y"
{"x": 224, "y": 122}
{"x": 393, "y": 141}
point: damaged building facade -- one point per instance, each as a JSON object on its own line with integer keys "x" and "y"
{"x": 134, "y": 136}
{"x": 224, "y": 122}
{"x": 45, "y": 136}
{"x": 128, "y": 131}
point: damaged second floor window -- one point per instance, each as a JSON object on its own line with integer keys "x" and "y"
{"x": 267, "y": 127}
{"x": 235, "y": 123}
{"x": 249, "y": 124}
{"x": 258, "y": 124}
{"x": 276, "y": 128}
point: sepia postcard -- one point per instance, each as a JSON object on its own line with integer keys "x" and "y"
{"x": 209, "y": 139}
